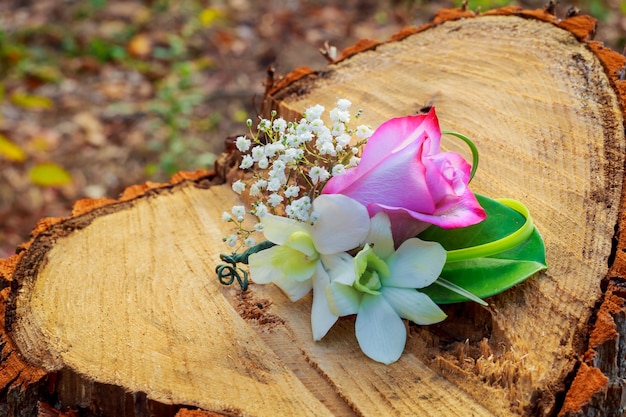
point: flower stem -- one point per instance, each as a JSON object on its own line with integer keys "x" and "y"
{"x": 472, "y": 147}
{"x": 501, "y": 245}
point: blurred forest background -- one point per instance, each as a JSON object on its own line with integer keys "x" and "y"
{"x": 97, "y": 95}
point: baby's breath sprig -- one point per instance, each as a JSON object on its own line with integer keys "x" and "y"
{"x": 292, "y": 161}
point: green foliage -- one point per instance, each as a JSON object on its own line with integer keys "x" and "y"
{"x": 88, "y": 9}
{"x": 492, "y": 272}
{"x": 104, "y": 50}
{"x": 597, "y": 8}
{"x": 176, "y": 98}
{"x": 172, "y": 63}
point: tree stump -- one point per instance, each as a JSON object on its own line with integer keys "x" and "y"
{"x": 117, "y": 311}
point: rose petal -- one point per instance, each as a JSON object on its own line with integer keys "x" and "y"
{"x": 343, "y": 300}
{"x": 413, "y": 305}
{"x": 398, "y": 181}
{"x": 454, "y": 170}
{"x": 390, "y": 137}
{"x": 405, "y": 224}
{"x": 416, "y": 264}
{"x": 322, "y": 318}
{"x": 463, "y": 212}
{"x": 379, "y": 330}
{"x": 396, "y": 134}
{"x": 343, "y": 224}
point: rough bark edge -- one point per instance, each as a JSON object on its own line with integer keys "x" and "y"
{"x": 598, "y": 382}
{"x": 583, "y": 27}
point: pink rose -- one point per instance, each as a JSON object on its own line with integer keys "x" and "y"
{"x": 403, "y": 173}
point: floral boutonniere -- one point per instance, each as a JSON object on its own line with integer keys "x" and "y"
{"x": 380, "y": 224}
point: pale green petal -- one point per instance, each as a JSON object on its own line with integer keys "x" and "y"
{"x": 416, "y": 264}
{"x": 293, "y": 263}
{"x": 302, "y": 242}
{"x": 277, "y": 229}
{"x": 342, "y": 226}
{"x": 379, "y": 330}
{"x": 262, "y": 270}
{"x": 379, "y": 235}
{"x": 322, "y": 319}
{"x": 369, "y": 269}
{"x": 340, "y": 268}
{"x": 413, "y": 305}
{"x": 295, "y": 290}
{"x": 343, "y": 300}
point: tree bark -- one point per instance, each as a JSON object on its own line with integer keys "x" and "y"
{"x": 116, "y": 310}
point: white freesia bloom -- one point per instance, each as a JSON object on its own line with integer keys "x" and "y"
{"x": 384, "y": 290}
{"x": 311, "y": 256}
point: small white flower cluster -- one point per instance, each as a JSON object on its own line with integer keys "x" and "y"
{"x": 292, "y": 162}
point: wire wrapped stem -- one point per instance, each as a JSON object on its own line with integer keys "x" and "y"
{"x": 229, "y": 272}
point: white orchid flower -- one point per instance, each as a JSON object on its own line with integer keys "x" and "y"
{"x": 311, "y": 256}
{"x": 384, "y": 290}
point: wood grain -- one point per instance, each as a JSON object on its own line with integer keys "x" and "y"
{"x": 125, "y": 293}
{"x": 549, "y": 128}
{"x": 143, "y": 310}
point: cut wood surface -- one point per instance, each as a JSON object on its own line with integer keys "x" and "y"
{"x": 124, "y": 293}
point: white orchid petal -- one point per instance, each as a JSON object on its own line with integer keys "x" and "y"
{"x": 295, "y": 281}
{"x": 413, "y": 305}
{"x": 343, "y": 300}
{"x": 343, "y": 223}
{"x": 416, "y": 264}
{"x": 261, "y": 267}
{"x": 379, "y": 330}
{"x": 278, "y": 229}
{"x": 379, "y": 235}
{"x": 340, "y": 267}
{"x": 322, "y": 319}
{"x": 295, "y": 290}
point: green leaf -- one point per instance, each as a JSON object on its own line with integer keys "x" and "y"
{"x": 11, "y": 151}
{"x": 492, "y": 273}
{"x": 49, "y": 174}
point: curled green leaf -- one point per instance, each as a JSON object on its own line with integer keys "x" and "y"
{"x": 501, "y": 245}
{"x": 490, "y": 257}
